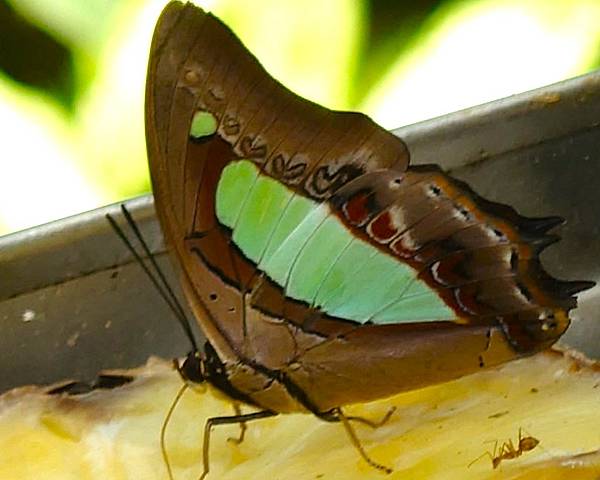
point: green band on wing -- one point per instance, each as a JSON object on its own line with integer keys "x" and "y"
{"x": 305, "y": 248}
{"x": 203, "y": 124}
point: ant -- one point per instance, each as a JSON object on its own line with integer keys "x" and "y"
{"x": 508, "y": 451}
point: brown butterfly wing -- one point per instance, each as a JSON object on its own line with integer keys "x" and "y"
{"x": 197, "y": 63}
{"x": 480, "y": 257}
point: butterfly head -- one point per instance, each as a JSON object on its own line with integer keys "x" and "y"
{"x": 193, "y": 368}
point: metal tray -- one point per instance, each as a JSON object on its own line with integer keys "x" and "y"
{"x": 73, "y": 301}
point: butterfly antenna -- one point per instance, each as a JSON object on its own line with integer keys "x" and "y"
{"x": 162, "y": 286}
{"x": 157, "y": 269}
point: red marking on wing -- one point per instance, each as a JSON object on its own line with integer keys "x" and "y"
{"x": 382, "y": 228}
{"x": 404, "y": 247}
{"x": 356, "y": 209}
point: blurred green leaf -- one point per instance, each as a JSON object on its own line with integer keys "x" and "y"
{"x": 81, "y": 24}
{"x": 310, "y": 46}
{"x": 31, "y": 56}
{"x": 472, "y": 52}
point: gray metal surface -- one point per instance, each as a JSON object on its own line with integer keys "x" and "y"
{"x": 72, "y": 300}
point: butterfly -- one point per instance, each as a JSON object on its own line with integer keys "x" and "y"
{"x": 323, "y": 269}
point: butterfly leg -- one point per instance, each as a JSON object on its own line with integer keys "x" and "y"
{"x": 332, "y": 416}
{"x": 336, "y": 415}
{"x": 211, "y": 422}
{"x": 371, "y": 423}
{"x": 243, "y": 427}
